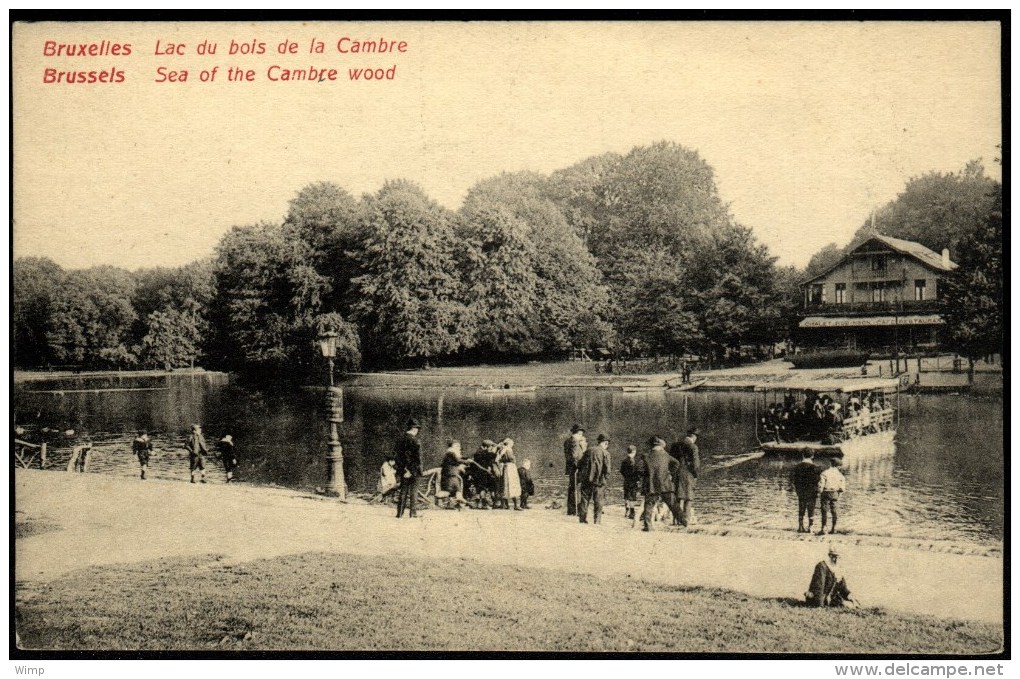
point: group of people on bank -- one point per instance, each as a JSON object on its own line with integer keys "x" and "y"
{"x": 197, "y": 451}
{"x": 490, "y": 479}
{"x": 821, "y": 418}
{"x": 664, "y": 478}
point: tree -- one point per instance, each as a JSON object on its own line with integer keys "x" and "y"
{"x": 171, "y": 341}
{"x": 936, "y": 209}
{"x": 91, "y": 320}
{"x": 330, "y": 221}
{"x": 823, "y": 260}
{"x": 683, "y": 277}
{"x": 741, "y": 300}
{"x": 972, "y": 296}
{"x": 501, "y": 280}
{"x": 37, "y": 283}
{"x": 171, "y": 305}
{"x": 568, "y": 303}
{"x": 409, "y": 300}
{"x": 268, "y": 301}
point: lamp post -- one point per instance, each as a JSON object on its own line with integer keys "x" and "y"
{"x": 335, "y": 484}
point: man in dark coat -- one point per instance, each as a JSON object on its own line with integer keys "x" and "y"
{"x": 593, "y": 475}
{"x": 142, "y": 447}
{"x": 804, "y": 479}
{"x": 657, "y": 470}
{"x": 573, "y": 449}
{"x": 686, "y": 453}
{"x": 408, "y": 453}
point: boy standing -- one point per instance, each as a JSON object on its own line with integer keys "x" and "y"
{"x": 831, "y": 485}
{"x": 142, "y": 447}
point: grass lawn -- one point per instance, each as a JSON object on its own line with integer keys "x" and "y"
{"x": 329, "y": 602}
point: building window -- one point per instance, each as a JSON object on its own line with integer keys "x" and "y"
{"x": 919, "y": 289}
{"x": 816, "y": 295}
{"x": 840, "y": 293}
{"x": 878, "y": 263}
{"x": 877, "y": 292}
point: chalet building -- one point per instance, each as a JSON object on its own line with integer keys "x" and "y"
{"x": 882, "y": 296}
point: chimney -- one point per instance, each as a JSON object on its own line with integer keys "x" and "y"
{"x": 945, "y": 258}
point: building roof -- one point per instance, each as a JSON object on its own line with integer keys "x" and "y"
{"x": 907, "y": 247}
{"x": 916, "y": 250}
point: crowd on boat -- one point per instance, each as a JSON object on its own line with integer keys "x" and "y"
{"x": 820, "y": 417}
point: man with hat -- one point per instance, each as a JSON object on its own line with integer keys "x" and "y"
{"x": 686, "y": 453}
{"x": 593, "y": 473}
{"x": 828, "y": 586}
{"x": 573, "y": 449}
{"x": 408, "y": 454}
{"x": 657, "y": 470}
{"x": 197, "y": 450}
{"x": 226, "y": 446}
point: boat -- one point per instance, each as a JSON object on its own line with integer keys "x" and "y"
{"x": 866, "y": 432}
{"x": 690, "y": 386}
{"x": 642, "y": 388}
{"x": 506, "y": 388}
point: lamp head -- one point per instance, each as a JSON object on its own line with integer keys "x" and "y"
{"x": 327, "y": 344}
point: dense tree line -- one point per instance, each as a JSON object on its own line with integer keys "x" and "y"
{"x": 629, "y": 253}
{"x": 105, "y": 317}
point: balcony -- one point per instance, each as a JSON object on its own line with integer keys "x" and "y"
{"x": 851, "y": 308}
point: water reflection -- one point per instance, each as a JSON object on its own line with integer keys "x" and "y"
{"x": 945, "y": 480}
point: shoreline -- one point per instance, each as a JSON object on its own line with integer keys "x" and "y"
{"x": 580, "y": 375}
{"x": 107, "y": 520}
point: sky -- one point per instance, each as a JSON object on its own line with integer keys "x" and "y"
{"x": 808, "y": 126}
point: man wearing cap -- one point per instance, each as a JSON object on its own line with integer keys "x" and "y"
{"x": 226, "y": 446}
{"x": 657, "y": 470}
{"x": 573, "y": 450}
{"x": 828, "y": 586}
{"x": 142, "y": 446}
{"x": 593, "y": 474}
{"x": 804, "y": 479}
{"x": 408, "y": 453}
{"x": 831, "y": 484}
{"x": 686, "y": 453}
{"x": 197, "y": 450}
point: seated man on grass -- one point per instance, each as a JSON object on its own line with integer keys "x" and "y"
{"x": 828, "y": 586}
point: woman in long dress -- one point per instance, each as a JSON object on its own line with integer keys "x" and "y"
{"x": 511, "y": 479}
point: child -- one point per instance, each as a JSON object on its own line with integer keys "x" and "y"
{"x": 831, "y": 485}
{"x": 387, "y": 478}
{"x": 228, "y": 456}
{"x": 631, "y": 484}
{"x": 527, "y": 484}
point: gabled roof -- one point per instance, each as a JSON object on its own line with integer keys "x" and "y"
{"x": 907, "y": 247}
{"x": 919, "y": 252}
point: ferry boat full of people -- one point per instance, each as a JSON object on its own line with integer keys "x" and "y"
{"x": 851, "y": 418}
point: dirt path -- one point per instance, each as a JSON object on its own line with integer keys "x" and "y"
{"x": 108, "y": 520}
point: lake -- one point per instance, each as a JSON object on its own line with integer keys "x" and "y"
{"x": 944, "y": 482}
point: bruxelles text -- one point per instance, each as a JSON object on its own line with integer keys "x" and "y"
{"x": 232, "y": 73}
